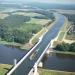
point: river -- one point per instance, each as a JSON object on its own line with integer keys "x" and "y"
{"x": 62, "y": 62}
{"x": 8, "y": 54}
{"x": 53, "y": 62}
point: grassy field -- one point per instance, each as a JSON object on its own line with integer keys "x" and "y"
{"x": 4, "y": 68}
{"x": 53, "y": 72}
{"x": 70, "y": 37}
{"x": 33, "y": 20}
{"x": 31, "y": 14}
{"x": 38, "y": 21}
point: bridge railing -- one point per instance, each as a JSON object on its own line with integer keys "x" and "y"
{"x": 34, "y": 69}
{"x": 42, "y": 55}
{"x": 23, "y": 59}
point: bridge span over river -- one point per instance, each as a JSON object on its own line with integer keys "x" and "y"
{"x": 29, "y": 63}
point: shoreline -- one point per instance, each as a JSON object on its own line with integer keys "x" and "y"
{"x": 4, "y": 68}
{"x": 64, "y": 52}
{"x": 54, "y": 72}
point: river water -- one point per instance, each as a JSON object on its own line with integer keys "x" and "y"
{"x": 61, "y": 62}
{"x": 53, "y": 62}
{"x": 8, "y": 54}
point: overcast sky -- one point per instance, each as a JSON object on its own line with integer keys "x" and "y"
{"x": 49, "y": 1}
{"x": 56, "y": 1}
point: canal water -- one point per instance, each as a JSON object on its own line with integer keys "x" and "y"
{"x": 62, "y": 62}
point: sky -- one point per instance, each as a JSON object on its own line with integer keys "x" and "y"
{"x": 48, "y": 1}
{"x": 56, "y": 1}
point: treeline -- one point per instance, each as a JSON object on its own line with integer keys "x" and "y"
{"x": 65, "y": 47}
{"x": 48, "y": 14}
{"x": 41, "y": 17}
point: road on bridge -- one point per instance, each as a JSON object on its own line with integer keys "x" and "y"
{"x": 28, "y": 64}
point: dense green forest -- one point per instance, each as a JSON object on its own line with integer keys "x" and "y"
{"x": 14, "y": 28}
{"x": 65, "y": 47}
{"x": 14, "y": 20}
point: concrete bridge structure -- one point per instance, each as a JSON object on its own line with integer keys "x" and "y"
{"x": 28, "y": 65}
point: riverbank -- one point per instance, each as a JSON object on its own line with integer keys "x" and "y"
{"x": 4, "y": 68}
{"x": 9, "y": 43}
{"x": 64, "y": 52}
{"x": 54, "y": 72}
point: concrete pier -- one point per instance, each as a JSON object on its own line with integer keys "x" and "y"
{"x": 40, "y": 64}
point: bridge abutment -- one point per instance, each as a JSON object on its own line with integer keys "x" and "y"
{"x": 34, "y": 71}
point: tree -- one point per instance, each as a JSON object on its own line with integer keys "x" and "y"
{"x": 72, "y": 47}
{"x": 63, "y": 47}
{"x": 3, "y": 31}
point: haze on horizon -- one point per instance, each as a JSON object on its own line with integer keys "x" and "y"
{"x": 46, "y": 1}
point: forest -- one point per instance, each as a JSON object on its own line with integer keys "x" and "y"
{"x": 15, "y": 28}
{"x": 11, "y": 29}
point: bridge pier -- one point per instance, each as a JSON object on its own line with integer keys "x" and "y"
{"x": 35, "y": 70}
{"x": 40, "y": 64}
{"x": 48, "y": 52}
